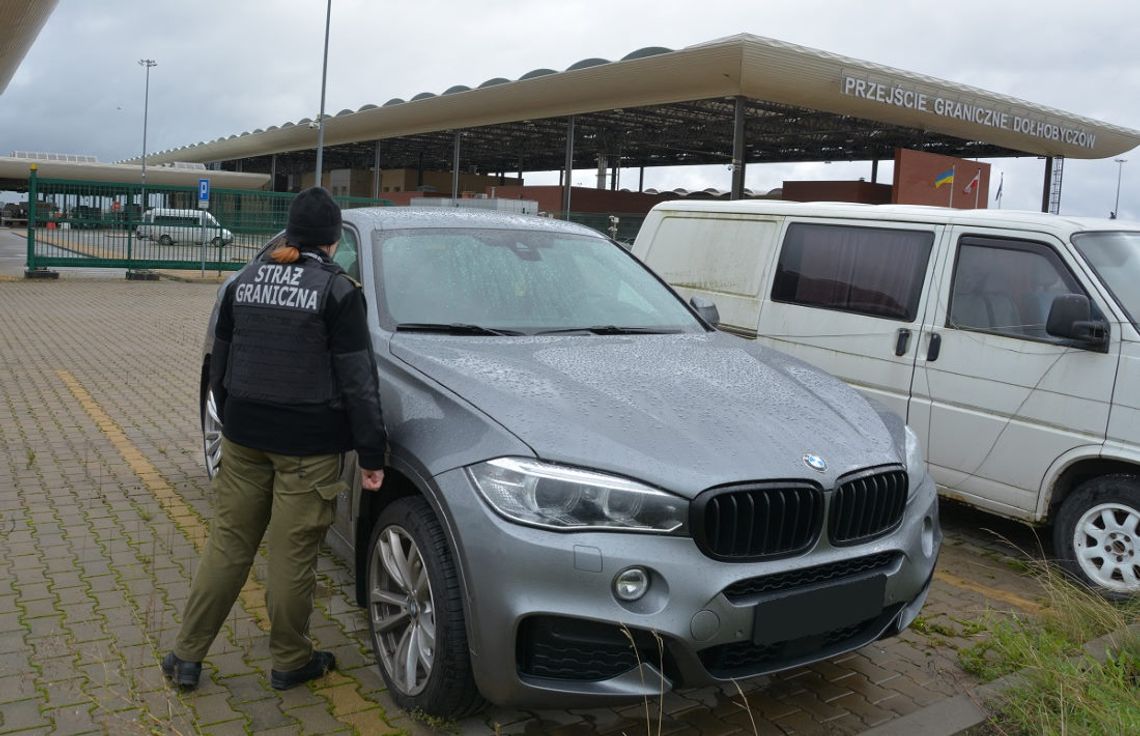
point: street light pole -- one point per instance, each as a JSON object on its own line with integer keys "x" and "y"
{"x": 148, "y": 63}
{"x": 321, "y": 117}
{"x": 1119, "y": 169}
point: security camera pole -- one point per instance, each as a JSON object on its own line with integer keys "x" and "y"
{"x": 321, "y": 116}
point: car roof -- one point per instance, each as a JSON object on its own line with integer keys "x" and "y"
{"x": 403, "y": 218}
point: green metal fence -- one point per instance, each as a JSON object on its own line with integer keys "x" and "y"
{"x": 110, "y": 225}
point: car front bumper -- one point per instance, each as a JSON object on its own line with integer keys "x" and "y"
{"x": 545, "y": 628}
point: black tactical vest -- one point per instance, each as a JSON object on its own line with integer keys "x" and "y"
{"x": 279, "y": 352}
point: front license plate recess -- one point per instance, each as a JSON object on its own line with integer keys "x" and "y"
{"x": 805, "y": 613}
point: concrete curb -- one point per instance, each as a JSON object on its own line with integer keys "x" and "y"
{"x": 963, "y": 712}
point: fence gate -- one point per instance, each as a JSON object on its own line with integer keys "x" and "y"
{"x": 111, "y": 225}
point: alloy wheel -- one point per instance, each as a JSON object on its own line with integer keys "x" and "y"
{"x": 402, "y": 610}
{"x": 211, "y": 434}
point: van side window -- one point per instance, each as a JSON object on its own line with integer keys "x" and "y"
{"x": 1007, "y": 286}
{"x": 873, "y": 271}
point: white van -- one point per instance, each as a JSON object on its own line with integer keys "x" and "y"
{"x": 169, "y": 226}
{"x": 1008, "y": 341}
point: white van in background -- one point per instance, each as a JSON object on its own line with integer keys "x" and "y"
{"x": 169, "y": 226}
{"x": 1007, "y": 340}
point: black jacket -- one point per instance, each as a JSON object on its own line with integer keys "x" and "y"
{"x": 352, "y": 420}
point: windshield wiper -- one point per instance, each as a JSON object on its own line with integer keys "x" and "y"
{"x": 454, "y": 328}
{"x": 612, "y": 330}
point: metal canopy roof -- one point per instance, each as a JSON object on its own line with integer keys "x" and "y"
{"x": 19, "y": 27}
{"x": 659, "y": 107}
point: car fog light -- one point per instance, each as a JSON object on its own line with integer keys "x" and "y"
{"x": 631, "y": 584}
{"x": 928, "y": 536}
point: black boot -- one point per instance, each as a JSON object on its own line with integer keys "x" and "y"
{"x": 181, "y": 673}
{"x": 319, "y": 664}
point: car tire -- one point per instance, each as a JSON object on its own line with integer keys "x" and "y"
{"x": 1096, "y": 535}
{"x": 211, "y": 434}
{"x": 165, "y": 240}
{"x": 416, "y": 623}
{"x": 217, "y": 242}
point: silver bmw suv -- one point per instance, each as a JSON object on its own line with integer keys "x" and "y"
{"x": 593, "y": 494}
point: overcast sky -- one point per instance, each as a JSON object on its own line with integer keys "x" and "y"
{"x": 227, "y": 66}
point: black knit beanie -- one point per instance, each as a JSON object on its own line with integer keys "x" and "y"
{"x": 314, "y": 219}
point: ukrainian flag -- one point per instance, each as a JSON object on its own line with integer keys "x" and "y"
{"x": 946, "y": 177}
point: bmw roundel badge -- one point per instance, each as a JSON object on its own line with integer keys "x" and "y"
{"x": 815, "y": 462}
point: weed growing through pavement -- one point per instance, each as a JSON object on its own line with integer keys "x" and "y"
{"x": 31, "y": 455}
{"x": 1062, "y": 689}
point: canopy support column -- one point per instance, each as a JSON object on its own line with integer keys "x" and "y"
{"x": 376, "y": 172}
{"x": 568, "y": 168}
{"x": 738, "y": 151}
{"x": 1045, "y": 186}
{"x": 455, "y": 169}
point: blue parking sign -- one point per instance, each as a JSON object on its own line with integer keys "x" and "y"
{"x": 203, "y": 193}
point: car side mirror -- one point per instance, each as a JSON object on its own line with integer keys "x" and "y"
{"x": 1070, "y": 317}
{"x": 706, "y": 308}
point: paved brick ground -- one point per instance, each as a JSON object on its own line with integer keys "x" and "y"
{"x": 103, "y": 500}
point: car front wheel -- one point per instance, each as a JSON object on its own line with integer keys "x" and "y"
{"x": 1097, "y": 534}
{"x": 415, "y": 613}
{"x": 211, "y": 434}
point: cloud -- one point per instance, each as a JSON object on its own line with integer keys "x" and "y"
{"x": 225, "y": 67}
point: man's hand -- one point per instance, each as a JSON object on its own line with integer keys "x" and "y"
{"x": 371, "y": 480}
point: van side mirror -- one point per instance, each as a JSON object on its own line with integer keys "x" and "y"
{"x": 706, "y": 308}
{"x": 1070, "y": 317}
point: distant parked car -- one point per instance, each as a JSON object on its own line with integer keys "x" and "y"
{"x": 592, "y": 494}
{"x": 169, "y": 226}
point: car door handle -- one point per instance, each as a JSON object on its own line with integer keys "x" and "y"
{"x": 935, "y": 348}
{"x": 902, "y": 341}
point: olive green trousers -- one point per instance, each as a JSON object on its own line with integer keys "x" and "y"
{"x": 292, "y": 498}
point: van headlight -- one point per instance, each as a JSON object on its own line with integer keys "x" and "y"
{"x": 569, "y": 499}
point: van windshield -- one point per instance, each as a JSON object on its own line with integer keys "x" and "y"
{"x": 1115, "y": 256}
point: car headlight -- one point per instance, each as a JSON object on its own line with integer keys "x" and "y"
{"x": 568, "y": 499}
{"x": 915, "y": 462}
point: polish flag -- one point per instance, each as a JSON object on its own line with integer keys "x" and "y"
{"x": 976, "y": 181}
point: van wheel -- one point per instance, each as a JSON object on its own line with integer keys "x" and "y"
{"x": 415, "y": 613}
{"x": 1096, "y": 536}
{"x": 165, "y": 240}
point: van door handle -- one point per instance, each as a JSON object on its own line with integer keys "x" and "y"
{"x": 902, "y": 341}
{"x": 935, "y": 348}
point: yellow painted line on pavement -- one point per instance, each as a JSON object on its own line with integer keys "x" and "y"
{"x": 347, "y": 705}
{"x": 988, "y": 591}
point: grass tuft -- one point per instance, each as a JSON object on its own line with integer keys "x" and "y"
{"x": 1063, "y": 690}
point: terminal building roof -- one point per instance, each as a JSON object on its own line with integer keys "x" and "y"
{"x": 658, "y": 107}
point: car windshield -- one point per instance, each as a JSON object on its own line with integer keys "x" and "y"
{"x": 1115, "y": 256}
{"x": 519, "y": 281}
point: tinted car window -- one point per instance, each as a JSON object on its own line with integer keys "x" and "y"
{"x": 519, "y": 280}
{"x": 873, "y": 271}
{"x": 1007, "y": 287}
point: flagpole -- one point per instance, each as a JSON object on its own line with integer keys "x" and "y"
{"x": 953, "y": 171}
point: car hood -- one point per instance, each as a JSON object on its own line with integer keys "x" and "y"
{"x": 681, "y": 412}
